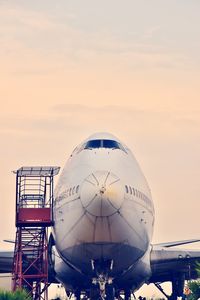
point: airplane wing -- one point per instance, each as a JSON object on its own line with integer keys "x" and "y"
{"x": 177, "y": 243}
{"x": 6, "y": 261}
{"x": 168, "y": 262}
{"x": 6, "y": 265}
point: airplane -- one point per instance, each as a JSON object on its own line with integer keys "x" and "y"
{"x": 101, "y": 241}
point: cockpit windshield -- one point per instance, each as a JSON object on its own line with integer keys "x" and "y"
{"x": 111, "y": 144}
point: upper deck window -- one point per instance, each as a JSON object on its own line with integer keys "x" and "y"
{"x": 110, "y": 144}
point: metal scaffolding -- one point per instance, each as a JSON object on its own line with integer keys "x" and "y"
{"x": 34, "y": 214}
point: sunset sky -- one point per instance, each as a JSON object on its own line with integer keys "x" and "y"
{"x": 132, "y": 68}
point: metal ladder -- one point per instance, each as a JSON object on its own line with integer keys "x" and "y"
{"x": 34, "y": 215}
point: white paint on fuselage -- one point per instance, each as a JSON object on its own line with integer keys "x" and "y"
{"x": 93, "y": 206}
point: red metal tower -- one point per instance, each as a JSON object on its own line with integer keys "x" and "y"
{"x": 34, "y": 214}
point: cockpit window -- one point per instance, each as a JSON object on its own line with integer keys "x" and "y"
{"x": 111, "y": 144}
{"x": 93, "y": 144}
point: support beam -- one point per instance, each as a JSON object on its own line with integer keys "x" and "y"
{"x": 159, "y": 287}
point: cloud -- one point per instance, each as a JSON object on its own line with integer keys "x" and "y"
{"x": 40, "y": 34}
{"x": 67, "y": 118}
{"x": 16, "y": 17}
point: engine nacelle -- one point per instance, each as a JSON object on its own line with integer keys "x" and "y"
{"x": 51, "y": 260}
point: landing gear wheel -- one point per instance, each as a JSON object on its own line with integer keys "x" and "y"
{"x": 110, "y": 292}
{"x": 127, "y": 295}
{"x": 95, "y": 292}
{"x": 78, "y": 295}
{"x": 173, "y": 297}
{"x": 68, "y": 293}
{"x": 177, "y": 288}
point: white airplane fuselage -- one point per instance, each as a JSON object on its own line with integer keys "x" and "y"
{"x": 104, "y": 216}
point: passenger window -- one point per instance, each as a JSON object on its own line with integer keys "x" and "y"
{"x": 133, "y": 191}
{"x": 126, "y": 188}
{"x": 70, "y": 192}
{"x": 77, "y": 188}
{"x": 73, "y": 191}
{"x": 130, "y": 189}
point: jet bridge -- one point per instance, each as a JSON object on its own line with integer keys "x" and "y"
{"x": 34, "y": 215}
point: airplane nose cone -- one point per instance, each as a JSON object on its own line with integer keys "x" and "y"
{"x": 102, "y": 194}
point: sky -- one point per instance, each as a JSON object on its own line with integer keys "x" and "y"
{"x": 132, "y": 68}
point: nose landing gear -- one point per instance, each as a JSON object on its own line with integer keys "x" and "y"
{"x": 109, "y": 293}
{"x": 102, "y": 288}
{"x": 127, "y": 295}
